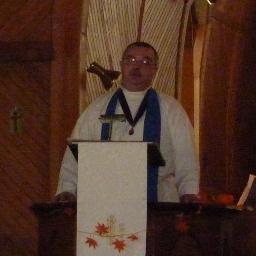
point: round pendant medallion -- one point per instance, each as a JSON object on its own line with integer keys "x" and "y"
{"x": 131, "y": 131}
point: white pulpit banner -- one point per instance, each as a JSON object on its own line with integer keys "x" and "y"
{"x": 112, "y": 198}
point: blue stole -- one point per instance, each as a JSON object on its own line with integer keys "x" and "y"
{"x": 151, "y": 133}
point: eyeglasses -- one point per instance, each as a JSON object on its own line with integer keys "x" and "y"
{"x": 144, "y": 62}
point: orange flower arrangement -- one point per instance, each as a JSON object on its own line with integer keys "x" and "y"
{"x": 216, "y": 198}
{"x": 225, "y": 199}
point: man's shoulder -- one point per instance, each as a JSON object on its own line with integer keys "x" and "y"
{"x": 168, "y": 101}
{"x": 102, "y": 99}
{"x": 100, "y": 102}
{"x": 171, "y": 107}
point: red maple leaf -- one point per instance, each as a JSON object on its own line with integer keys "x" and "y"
{"x": 69, "y": 211}
{"x": 119, "y": 245}
{"x": 101, "y": 229}
{"x": 181, "y": 225}
{"x": 91, "y": 242}
{"x": 133, "y": 237}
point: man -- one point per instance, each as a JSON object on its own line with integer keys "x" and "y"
{"x": 150, "y": 117}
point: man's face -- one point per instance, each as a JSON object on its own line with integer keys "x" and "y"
{"x": 139, "y": 66}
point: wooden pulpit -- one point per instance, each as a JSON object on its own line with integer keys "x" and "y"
{"x": 56, "y": 228}
{"x": 172, "y": 229}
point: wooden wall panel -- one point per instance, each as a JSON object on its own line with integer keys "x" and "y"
{"x": 215, "y": 107}
{"x": 65, "y": 80}
{"x": 244, "y": 136}
{"x": 25, "y": 20}
{"x": 228, "y": 98}
{"x": 25, "y": 71}
{"x": 24, "y": 157}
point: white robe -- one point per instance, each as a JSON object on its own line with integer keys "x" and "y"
{"x": 179, "y": 176}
